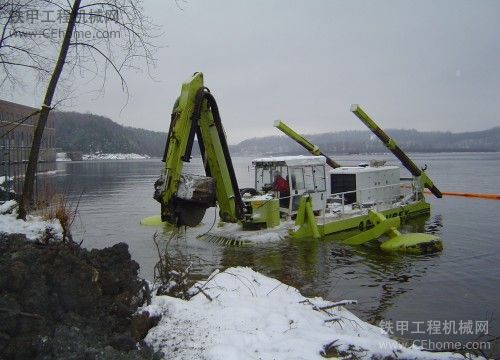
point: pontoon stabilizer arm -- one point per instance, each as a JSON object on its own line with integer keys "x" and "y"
{"x": 396, "y": 150}
{"x": 309, "y": 146}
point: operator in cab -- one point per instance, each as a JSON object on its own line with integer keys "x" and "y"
{"x": 282, "y": 186}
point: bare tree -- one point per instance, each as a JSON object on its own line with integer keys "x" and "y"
{"x": 99, "y": 36}
{"x": 20, "y": 45}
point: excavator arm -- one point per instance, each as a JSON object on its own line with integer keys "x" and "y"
{"x": 184, "y": 198}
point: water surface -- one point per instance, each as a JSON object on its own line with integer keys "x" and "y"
{"x": 459, "y": 284}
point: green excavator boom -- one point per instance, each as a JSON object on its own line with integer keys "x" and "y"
{"x": 183, "y": 197}
{"x": 396, "y": 150}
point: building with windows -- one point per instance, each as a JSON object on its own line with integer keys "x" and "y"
{"x": 16, "y": 135}
{"x": 20, "y": 130}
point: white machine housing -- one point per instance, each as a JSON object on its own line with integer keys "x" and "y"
{"x": 366, "y": 185}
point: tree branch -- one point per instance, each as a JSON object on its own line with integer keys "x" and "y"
{"x": 24, "y": 65}
{"x": 108, "y": 60}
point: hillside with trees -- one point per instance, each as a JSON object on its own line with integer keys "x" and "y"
{"x": 93, "y": 133}
{"x": 360, "y": 141}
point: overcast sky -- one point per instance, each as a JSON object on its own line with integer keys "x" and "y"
{"x": 428, "y": 65}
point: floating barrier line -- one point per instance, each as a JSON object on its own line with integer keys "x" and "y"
{"x": 472, "y": 195}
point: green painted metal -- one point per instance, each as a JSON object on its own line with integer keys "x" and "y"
{"x": 266, "y": 212}
{"x": 396, "y": 150}
{"x": 413, "y": 242}
{"x": 177, "y": 140}
{"x": 416, "y": 243}
{"x": 381, "y": 226}
{"x": 359, "y": 222}
{"x": 313, "y": 149}
{"x": 154, "y": 220}
{"x": 305, "y": 222}
{"x": 177, "y": 143}
{"x": 217, "y": 163}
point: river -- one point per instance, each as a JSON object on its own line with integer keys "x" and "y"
{"x": 412, "y": 293}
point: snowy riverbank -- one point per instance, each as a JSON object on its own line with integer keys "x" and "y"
{"x": 102, "y": 156}
{"x": 119, "y": 156}
{"x": 34, "y": 228}
{"x": 242, "y": 314}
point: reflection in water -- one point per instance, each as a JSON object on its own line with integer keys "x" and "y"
{"x": 434, "y": 225}
{"x": 393, "y": 274}
{"x": 322, "y": 267}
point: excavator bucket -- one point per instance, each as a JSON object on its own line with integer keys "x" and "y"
{"x": 194, "y": 195}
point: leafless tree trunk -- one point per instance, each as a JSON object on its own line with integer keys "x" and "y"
{"x": 29, "y": 179}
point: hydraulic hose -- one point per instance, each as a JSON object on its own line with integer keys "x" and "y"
{"x": 201, "y": 95}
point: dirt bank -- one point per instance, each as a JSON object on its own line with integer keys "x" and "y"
{"x": 59, "y": 301}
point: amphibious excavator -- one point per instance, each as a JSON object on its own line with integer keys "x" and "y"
{"x": 309, "y": 202}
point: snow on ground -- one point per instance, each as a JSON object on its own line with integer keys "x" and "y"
{"x": 35, "y": 228}
{"x": 62, "y": 156}
{"x": 48, "y": 173}
{"x": 119, "y": 156}
{"x": 4, "y": 179}
{"x": 251, "y": 316}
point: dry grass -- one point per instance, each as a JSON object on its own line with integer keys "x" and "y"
{"x": 171, "y": 274}
{"x": 62, "y": 209}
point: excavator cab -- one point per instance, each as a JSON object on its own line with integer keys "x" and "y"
{"x": 289, "y": 178}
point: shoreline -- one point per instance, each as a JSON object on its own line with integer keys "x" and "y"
{"x": 234, "y": 313}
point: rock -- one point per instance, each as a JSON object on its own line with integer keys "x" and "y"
{"x": 122, "y": 342}
{"x": 141, "y": 323}
{"x": 60, "y": 301}
{"x": 91, "y": 354}
{"x": 15, "y": 277}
